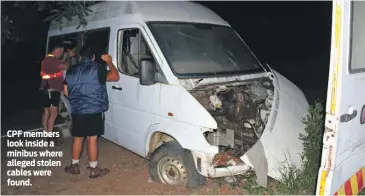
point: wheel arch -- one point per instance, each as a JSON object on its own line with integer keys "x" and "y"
{"x": 157, "y": 139}
{"x": 188, "y": 136}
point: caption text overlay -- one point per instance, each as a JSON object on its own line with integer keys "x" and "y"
{"x": 30, "y": 155}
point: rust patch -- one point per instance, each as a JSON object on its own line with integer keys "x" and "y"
{"x": 330, "y": 158}
{"x": 226, "y": 159}
{"x": 325, "y": 172}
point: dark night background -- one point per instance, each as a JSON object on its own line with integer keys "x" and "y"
{"x": 293, "y": 37}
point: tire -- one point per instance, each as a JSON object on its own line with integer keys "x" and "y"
{"x": 176, "y": 161}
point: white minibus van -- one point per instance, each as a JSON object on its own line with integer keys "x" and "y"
{"x": 192, "y": 97}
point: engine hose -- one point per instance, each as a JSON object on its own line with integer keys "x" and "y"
{"x": 253, "y": 128}
{"x": 260, "y": 119}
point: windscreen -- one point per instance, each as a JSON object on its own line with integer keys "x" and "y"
{"x": 203, "y": 49}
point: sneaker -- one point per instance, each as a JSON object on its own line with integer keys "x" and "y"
{"x": 73, "y": 169}
{"x": 97, "y": 172}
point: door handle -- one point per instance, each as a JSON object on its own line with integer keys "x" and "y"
{"x": 348, "y": 117}
{"x": 117, "y": 88}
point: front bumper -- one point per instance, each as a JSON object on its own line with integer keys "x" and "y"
{"x": 206, "y": 167}
{"x": 230, "y": 171}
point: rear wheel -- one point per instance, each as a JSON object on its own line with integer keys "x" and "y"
{"x": 173, "y": 165}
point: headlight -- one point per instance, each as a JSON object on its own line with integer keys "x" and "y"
{"x": 206, "y": 129}
{"x": 208, "y": 134}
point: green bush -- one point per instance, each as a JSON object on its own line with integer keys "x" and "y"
{"x": 303, "y": 180}
{"x": 312, "y": 143}
{"x": 294, "y": 180}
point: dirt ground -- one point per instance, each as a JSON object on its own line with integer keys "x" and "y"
{"x": 129, "y": 175}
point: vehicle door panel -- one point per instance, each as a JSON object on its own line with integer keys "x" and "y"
{"x": 134, "y": 106}
{"x": 343, "y": 156}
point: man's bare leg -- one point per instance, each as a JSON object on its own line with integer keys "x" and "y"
{"x": 92, "y": 146}
{"x": 53, "y": 113}
{"x": 77, "y": 148}
{"x": 76, "y": 152}
{"x": 45, "y": 117}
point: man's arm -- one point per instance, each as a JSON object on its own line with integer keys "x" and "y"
{"x": 112, "y": 75}
{"x": 65, "y": 90}
{"x": 63, "y": 66}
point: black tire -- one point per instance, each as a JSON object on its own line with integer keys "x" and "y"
{"x": 183, "y": 156}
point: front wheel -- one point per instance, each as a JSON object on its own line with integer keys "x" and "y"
{"x": 173, "y": 165}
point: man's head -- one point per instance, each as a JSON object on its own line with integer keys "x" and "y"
{"x": 71, "y": 52}
{"x": 57, "y": 51}
{"x": 87, "y": 53}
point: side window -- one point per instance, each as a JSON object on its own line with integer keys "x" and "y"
{"x": 357, "y": 58}
{"x": 69, "y": 42}
{"x": 98, "y": 40}
{"x": 132, "y": 47}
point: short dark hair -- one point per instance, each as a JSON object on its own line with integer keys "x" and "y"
{"x": 56, "y": 47}
{"x": 86, "y": 51}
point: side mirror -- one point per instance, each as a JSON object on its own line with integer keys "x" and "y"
{"x": 147, "y": 70}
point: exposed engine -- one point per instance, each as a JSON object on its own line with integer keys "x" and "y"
{"x": 241, "y": 113}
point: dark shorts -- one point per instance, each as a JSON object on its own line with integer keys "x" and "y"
{"x": 50, "y": 98}
{"x": 84, "y": 125}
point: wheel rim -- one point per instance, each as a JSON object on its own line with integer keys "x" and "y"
{"x": 172, "y": 171}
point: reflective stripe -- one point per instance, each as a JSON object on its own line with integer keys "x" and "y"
{"x": 354, "y": 185}
{"x": 363, "y": 176}
{"x": 360, "y": 179}
{"x": 336, "y": 56}
{"x": 323, "y": 182}
{"x": 348, "y": 189}
{"x": 325, "y": 172}
{"x": 341, "y": 191}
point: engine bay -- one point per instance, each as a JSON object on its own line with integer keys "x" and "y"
{"x": 241, "y": 112}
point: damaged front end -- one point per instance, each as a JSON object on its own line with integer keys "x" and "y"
{"x": 241, "y": 111}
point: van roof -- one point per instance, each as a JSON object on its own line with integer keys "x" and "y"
{"x": 174, "y": 11}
